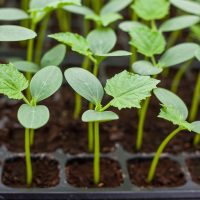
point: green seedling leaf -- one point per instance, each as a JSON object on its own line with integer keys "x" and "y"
{"x": 109, "y": 18}
{"x": 54, "y": 56}
{"x": 145, "y": 68}
{"x": 101, "y": 40}
{"x": 33, "y": 117}
{"x": 115, "y": 53}
{"x": 171, "y": 101}
{"x": 129, "y": 89}
{"x": 85, "y": 84}
{"x": 15, "y": 33}
{"x": 151, "y": 9}
{"x": 173, "y": 115}
{"x": 115, "y": 6}
{"x": 12, "y": 14}
{"x": 187, "y": 6}
{"x": 196, "y": 127}
{"x": 197, "y": 54}
{"x": 178, "y": 23}
{"x": 178, "y": 54}
{"x": 75, "y": 41}
{"x": 45, "y": 83}
{"x": 95, "y": 116}
{"x": 128, "y": 26}
{"x": 12, "y": 82}
{"x": 81, "y": 10}
{"x": 147, "y": 42}
{"x": 26, "y": 66}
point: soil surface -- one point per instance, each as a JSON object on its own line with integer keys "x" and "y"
{"x": 194, "y": 169}
{"x": 45, "y": 172}
{"x": 79, "y": 173}
{"x": 168, "y": 173}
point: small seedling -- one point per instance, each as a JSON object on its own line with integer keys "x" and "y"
{"x": 31, "y": 116}
{"x": 126, "y": 89}
{"x": 173, "y": 110}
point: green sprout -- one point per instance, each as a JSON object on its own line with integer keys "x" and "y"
{"x": 126, "y": 89}
{"x": 30, "y": 115}
{"x": 173, "y": 110}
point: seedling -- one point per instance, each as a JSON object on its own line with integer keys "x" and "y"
{"x": 31, "y": 116}
{"x": 126, "y": 89}
{"x": 96, "y": 47}
{"x": 149, "y": 43}
{"x": 173, "y": 110}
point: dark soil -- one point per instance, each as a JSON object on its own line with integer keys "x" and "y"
{"x": 80, "y": 173}
{"x": 194, "y": 169}
{"x": 45, "y": 172}
{"x": 168, "y": 173}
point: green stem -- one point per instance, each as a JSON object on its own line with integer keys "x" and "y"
{"x": 29, "y": 175}
{"x": 78, "y": 106}
{"x": 195, "y": 100}
{"x": 64, "y": 20}
{"x": 95, "y": 69}
{"x": 196, "y": 140}
{"x": 156, "y": 158}
{"x": 181, "y": 71}
{"x": 153, "y": 25}
{"x": 173, "y": 38}
{"x": 32, "y": 133}
{"x": 142, "y": 117}
{"x": 40, "y": 40}
{"x": 96, "y": 5}
{"x": 96, "y": 153}
{"x": 90, "y": 132}
{"x": 105, "y": 107}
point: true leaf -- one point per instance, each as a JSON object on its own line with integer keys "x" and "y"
{"x": 54, "y": 56}
{"x": 173, "y": 115}
{"x": 15, "y": 33}
{"x": 151, "y": 9}
{"x": 101, "y": 40}
{"x": 147, "y": 41}
{"x": 12, "y": 14}
{"x": 169, "y": 99}
{"x": 145, "y": 68}
{"x": 128, "y": 89}
{"x": 85, "y": 84}
{"x": 115, "y": 53}
{"x": 178, "y": 23}
{"x": 95, "y": 116}
{"x": 12, "y": 82}
{"x": 45, "y": 82}
{"x": 197, "y": 53}
{"x": 129, "y": 26}
{"x": 187, "y": 5}
{"x": 178, "y": 54}
{"x": 26, "y": 66}
{"x": 109, "y": 18}
{"x": 33, "y": 117}
{"x": 75, "y": 41}
{"x": 81, "y": 10}
{"x": 115, "y": 6}
{"x": 196, "y": 127}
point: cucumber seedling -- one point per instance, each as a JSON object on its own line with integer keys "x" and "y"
{"x": 96, "y": 47}
{"x": 126, "y": 89}
{"x": 173, "y": 110}
{"x": 30, "y": 115}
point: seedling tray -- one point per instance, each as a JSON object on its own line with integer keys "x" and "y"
{"x": 127, "y": 190}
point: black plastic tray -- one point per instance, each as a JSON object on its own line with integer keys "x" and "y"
{"x": 127, "y": 190}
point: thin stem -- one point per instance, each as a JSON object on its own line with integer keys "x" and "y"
{"x": 91, "y": 132}
{"x": 96, "y": 5}
{"x": 32, "y": 133}
{"x": 95, "y": 69}
{"x": 64, "y": 20}
{"x": 156, "y": 158}
{"x": 142, "y": 117}
{"x": 40, "y": 40}
{"x": 78, "y": 106}
{"x": 105, "y": 107}
{"x": 173, "y": 38}
{"x": 196, "y": 140}
{"x": 195, "y": 100}
{"x": 153, "y": 61}
{"x": 153, "y": 25}
{"x": 177, "y": 78}
{"x": 29, "y": 175}
{"x": 96, "y": 153}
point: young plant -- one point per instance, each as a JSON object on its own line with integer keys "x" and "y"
{"x": 149, "y": 43}
{"x": 126, "y": 89}
{"x": 31, "y": 116}
{"x": 173, "y": 110}
{"x": 96, "y": 47}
